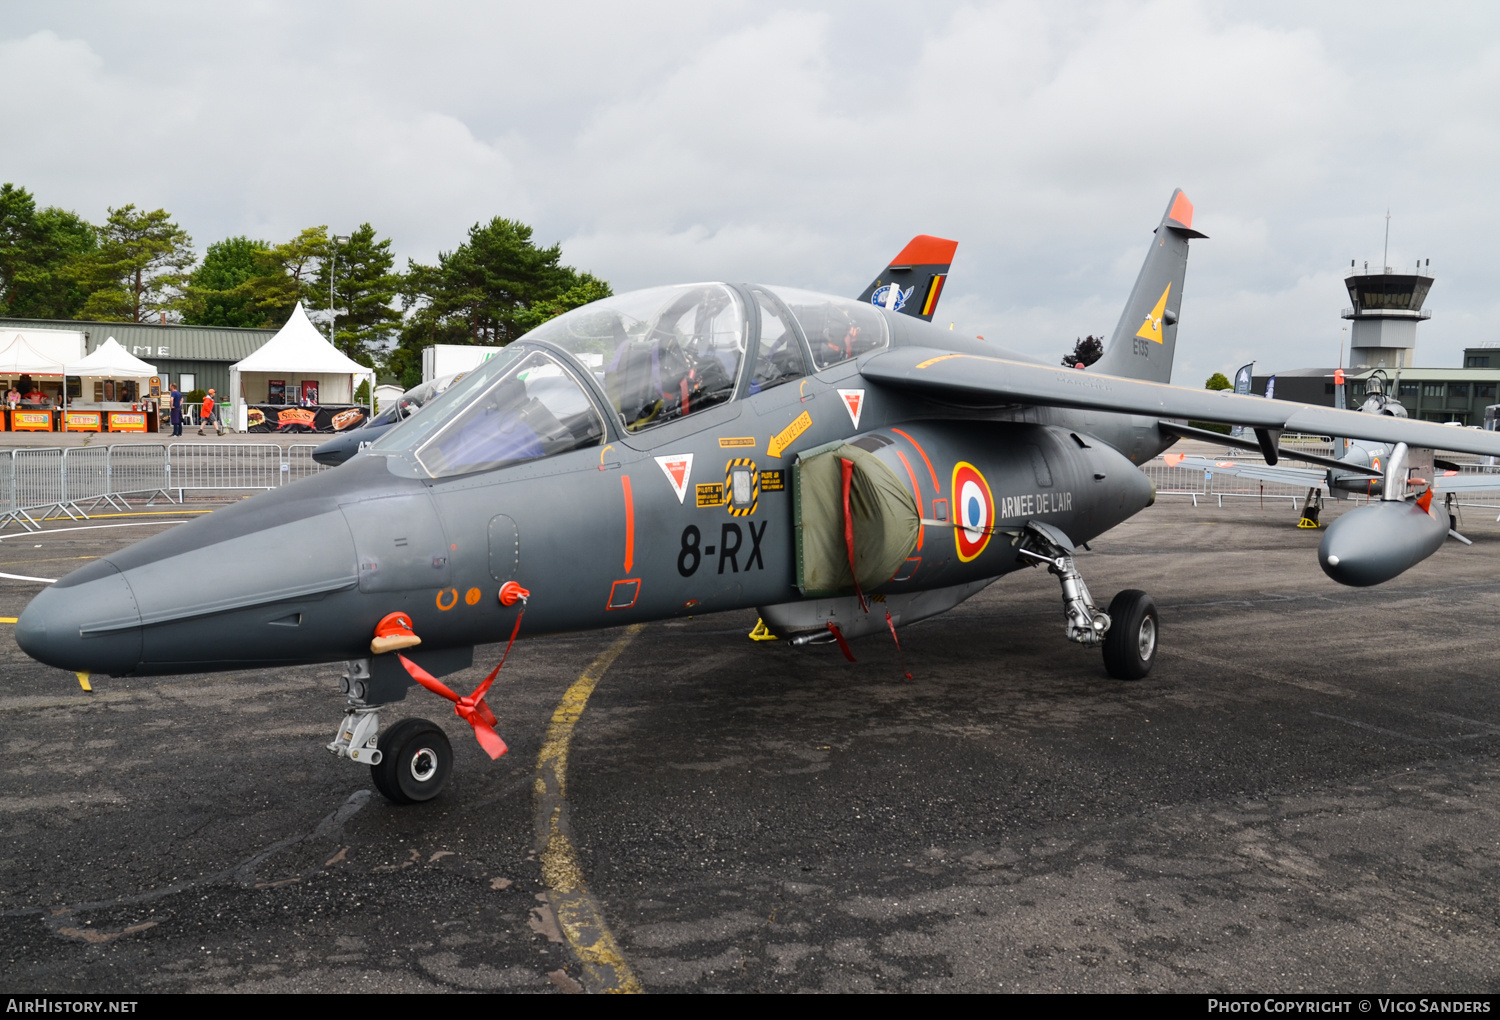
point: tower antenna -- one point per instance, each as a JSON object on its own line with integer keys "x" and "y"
{"x": 1386, "y": 261}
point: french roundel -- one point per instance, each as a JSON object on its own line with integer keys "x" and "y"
{"x": 973, "y": 511}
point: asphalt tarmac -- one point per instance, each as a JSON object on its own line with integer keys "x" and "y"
{"x": 1303, "y": 796}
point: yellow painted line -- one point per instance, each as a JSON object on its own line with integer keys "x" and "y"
{"x": 135, "y": 513}
{"x": 578, "y": 914}
{"x": 9, "y": 619}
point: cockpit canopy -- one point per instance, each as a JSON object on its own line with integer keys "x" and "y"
{"x": 658, "y": 355}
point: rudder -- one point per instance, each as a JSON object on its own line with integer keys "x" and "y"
{"x": 1145, "y": 340}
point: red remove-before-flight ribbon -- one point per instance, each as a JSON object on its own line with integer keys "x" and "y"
{"x": 471, "y": 709}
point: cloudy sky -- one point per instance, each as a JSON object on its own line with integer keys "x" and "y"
{"x": 660, "y": 142}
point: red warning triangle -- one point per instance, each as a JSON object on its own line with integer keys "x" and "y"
{"x": 854, "y": 403}
{"x": 678, "y": 468}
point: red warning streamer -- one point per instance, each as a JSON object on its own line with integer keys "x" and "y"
{"x": 471, "y": 709}
{"x": 847, "y": 466}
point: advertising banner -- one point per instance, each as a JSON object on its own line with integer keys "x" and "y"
{"x": 1242, "y": 387}
{"x": 277, "y": 418}
{"x": 31, "y": 421}
{"x": 81, "y": 421}
{"x": 127, "y": 421}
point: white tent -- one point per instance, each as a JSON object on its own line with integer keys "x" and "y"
{"x": 111, "y": 361}
{"x": 20, "y": 358}
{"x": 297, "y": 353}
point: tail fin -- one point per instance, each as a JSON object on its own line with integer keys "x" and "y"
{"x": 1145, "y": 340}
{"x": 913, "y": 281}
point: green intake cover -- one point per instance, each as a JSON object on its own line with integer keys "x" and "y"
{"x": 885, "y": 516}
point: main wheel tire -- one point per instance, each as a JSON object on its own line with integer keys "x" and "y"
{"x": 1134, "y": 630}
{"x": 416, "y": 762}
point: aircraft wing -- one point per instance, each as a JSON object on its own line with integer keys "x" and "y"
{"x": 978, "y": 378}
{"x": 1306, "y": 478}
{"x": 1453, "y": 481}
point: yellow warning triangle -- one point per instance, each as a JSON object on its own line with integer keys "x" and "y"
{"x": 1151, "y": 328}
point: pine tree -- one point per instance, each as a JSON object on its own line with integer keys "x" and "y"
{"x": 490, "y": 290}
{"x": 138, "y": 269}
{"x": 364, "y": 287}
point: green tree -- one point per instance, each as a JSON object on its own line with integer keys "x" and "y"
{"x": 588, "y": 288}
{"x": 1086, "y": 350}
{"x": 221, "y": 292}
{"x": 37, "y": 249}
{"x": 1218, "y": 381}
{"x": 138, "y": 269}
{"x": 491, "y": 289}
{"x": 364, "y": 291}
{"x": 287, "y": 274}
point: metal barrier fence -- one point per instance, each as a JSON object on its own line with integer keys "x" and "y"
{"x": 1200, "y": 483}
{"x": 37, "y": 484}
{"x": 223, "y": 466}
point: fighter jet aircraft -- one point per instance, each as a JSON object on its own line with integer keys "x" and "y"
{"x": 918, "y": 270}
{"x": 688, "y": 449}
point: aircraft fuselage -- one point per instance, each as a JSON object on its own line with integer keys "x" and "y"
{"x": 692, "y": 516}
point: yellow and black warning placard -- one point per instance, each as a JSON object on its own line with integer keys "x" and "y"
{"x": 772, "y": 481}
{"x": 709, "y": 493}
{"x": 740, "y": 475}
{"x": 729, "y": 442}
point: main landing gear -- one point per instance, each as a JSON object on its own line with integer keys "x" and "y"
{"x": 1128, "y": 632}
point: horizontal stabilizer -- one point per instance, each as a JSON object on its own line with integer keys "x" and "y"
{"x": 1172, "y": 428}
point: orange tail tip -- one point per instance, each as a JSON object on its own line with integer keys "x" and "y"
{"x": 1182, "y": 210}
{"x": 392, "y": 632}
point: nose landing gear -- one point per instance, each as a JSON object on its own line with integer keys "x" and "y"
{"x": 416, "y": 762}
{"x": 409, "y": 763}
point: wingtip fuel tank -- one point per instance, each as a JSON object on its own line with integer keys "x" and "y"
{"x": 1372, "y": 544}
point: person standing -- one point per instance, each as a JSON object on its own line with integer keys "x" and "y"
{"x": 176, "y": 412}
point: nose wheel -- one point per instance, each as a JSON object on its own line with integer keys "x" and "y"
{"x": 415, "y": 764}
{"x": 1130, "y": 645}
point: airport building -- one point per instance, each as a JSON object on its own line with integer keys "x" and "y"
{"x": 193, "y": 357}
{"x": 1384, "y": 310}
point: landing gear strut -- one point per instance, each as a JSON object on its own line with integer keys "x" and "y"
{"x": 1128, "y": 631}
{"x": 1043, "y": 543}
{"x": 1312, "y": 506}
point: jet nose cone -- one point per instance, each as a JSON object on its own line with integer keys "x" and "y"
{"x": 87, "y": 622}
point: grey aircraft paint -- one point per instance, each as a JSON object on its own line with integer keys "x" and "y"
{"x": 689, "y": 506}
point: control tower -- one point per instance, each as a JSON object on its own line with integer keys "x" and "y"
{"x": 1386, "y": 309}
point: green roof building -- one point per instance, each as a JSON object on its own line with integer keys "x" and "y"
{"x": 194, "y": 357}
